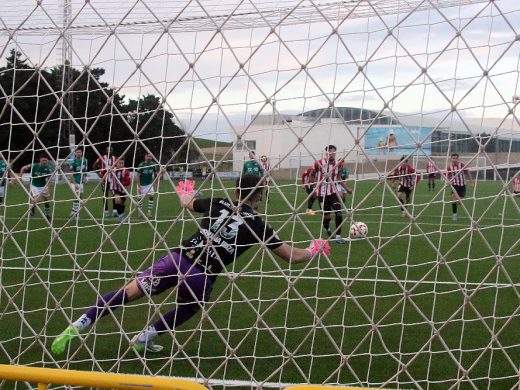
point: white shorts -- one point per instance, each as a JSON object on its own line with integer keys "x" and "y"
{"x": 77, "y": 188}
{"x": 146, "y": 190}
{"x": 340, "y": 188}
{"x": 37, "y": 191}
{"x": 2, "y": 192}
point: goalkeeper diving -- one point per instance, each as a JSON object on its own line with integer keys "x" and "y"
{"x": 227, "y": 230}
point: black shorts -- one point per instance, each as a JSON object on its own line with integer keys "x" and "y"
{"x": 431, "y": 175}
{"x": 405, "y": 190}
{"x": 460, "y": 190}
{"x": 330, "y": 202}
{"x": 309, "y": 190}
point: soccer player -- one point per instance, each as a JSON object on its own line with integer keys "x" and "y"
{"x": 328, "y": 173}
{"x": 117, "y": 180}
{"x": 516, "y": 185}
{"x": 79, "y": 167}
{"x": 102, "y": 165}
{"x": 431, "y": 171}
{"x": 343, "y": 189}
{"x": 457, "y": 173}
{"x": 147, "y": 171}
{"x": 266, "y": 167}
{"x": 40, "y": 174}
{"x": 308, "y": 183}
{"x": 4, "y": 175}
{"x": 227, "y": 230}
{"x": 407, "y": 178}
{"x": 252, "y": 167}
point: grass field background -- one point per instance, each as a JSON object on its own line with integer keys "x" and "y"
{"x": 364, "y": 316}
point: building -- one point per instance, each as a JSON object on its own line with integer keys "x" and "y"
{"x": 366, "y": 136}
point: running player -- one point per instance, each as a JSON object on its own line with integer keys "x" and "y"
{"x": 407, "y": 178}
{"x": 328, "y": 173}
{"x": 457, "y": 173}
{"x": 431, "y": 171}
{"x": 117, "y": 180}
{"x": 79, "y": 168}
{"x": 308, "y": 183}
{"x": 4, "y": 176}
{"x": 147, "y": 171}
{"x": 40, "y": 174}
{"x": 227, "y": 230}
{"x": 101, "y": 166}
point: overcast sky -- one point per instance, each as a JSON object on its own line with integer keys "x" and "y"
{"x": 392, "y": 65}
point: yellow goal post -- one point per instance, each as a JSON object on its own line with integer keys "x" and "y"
{"x": 47, "y": 376}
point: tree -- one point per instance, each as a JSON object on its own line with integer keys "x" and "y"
{"x": 34, "y": 118}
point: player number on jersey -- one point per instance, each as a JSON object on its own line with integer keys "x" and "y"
{"x": 229, "y": 231}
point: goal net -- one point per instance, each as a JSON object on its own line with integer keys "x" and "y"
{"x": 203, "y": 91}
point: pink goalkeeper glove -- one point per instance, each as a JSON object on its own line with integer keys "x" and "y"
{"x": 186, "y": 187}
{"x": 319, "y": 246}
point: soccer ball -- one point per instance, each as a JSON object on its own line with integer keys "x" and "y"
{"x": 358, "y": 230}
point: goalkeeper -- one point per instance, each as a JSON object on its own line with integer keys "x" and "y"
{"x": 227, "y": 230}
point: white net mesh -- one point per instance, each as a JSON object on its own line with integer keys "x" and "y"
{"x": 427, "y": 300}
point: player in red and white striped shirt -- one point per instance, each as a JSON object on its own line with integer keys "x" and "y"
{"x": 431, "y": 171}
{"x": 101, "y": 166}
{"x": 328, "y": 175}
{"x": 308, "y": 183}
{"x": 457, "y": 173}
{"x": 267, "y": 170}
{"x": 117, "y": 180}
{"x": 516, "y": 185}
{"x": 407, "y": 178}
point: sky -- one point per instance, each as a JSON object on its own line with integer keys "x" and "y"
{"x": 237, "y": 64}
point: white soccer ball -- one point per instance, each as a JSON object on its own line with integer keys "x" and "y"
{"x": 358, "y": 230}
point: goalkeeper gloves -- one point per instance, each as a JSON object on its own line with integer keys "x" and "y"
{"x": 319, "y": 246}
{"x": 186, "y": 187}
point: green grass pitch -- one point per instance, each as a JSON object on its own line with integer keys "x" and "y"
{"x": 365, "y": 316}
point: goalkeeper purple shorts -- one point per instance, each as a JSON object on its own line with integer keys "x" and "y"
{"x": 195, "y": 284}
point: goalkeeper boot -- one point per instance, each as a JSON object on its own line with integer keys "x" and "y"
{"x": 60, "y": 343}
{"x": 142, "y": 344}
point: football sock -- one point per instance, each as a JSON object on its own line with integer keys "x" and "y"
{"x": 109, "y": 301}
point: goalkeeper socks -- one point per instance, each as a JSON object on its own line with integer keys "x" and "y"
{"x": 47, "y": 209}
{"x": 149, "y": 334}
{"x": 176, "y": 317}
{"x": 109, "y": 301}
{"x": 82, "y": 323}
{"x": 454, "y": 207}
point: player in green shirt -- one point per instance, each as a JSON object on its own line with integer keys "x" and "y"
{"x": 40, "y": 175}
{"x": 252, "y": 167}
{"x": 147, "y": 171}
{"x": 342, "y": 187}
{"x": 79, "y": 168}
